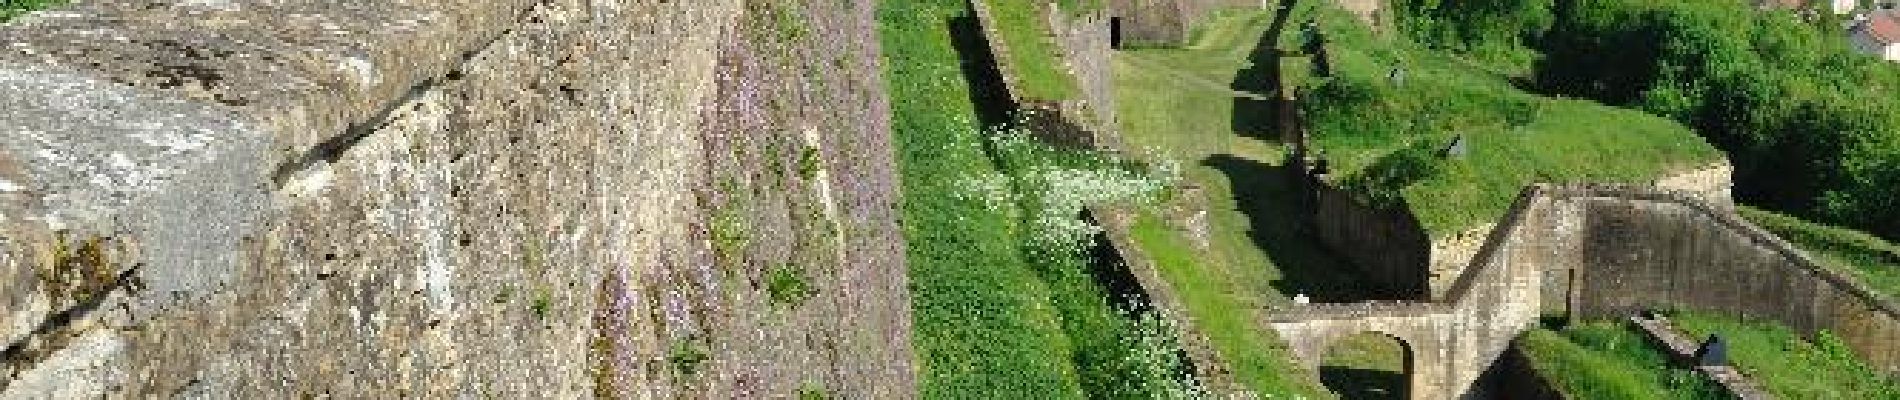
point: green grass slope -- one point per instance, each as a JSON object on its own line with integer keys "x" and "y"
{"x": 983, "y": 322}
{"x": 1006, "y": 303}
{"x": 1384, "y": 133}
{"x": 1789, "y": 366}
{"x": 1025, "y": 31}
{"x": 1610, "y": 361}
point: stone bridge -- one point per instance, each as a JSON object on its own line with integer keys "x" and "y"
{"x": 1449, "y": 342}
{"x": 1603, "y": 252}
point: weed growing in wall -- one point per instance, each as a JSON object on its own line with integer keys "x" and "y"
{"x": 686, "y": 355}
{"x": 787, "y": 285}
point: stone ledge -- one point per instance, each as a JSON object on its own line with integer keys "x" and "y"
{"x": 1681, "y": 351}
{"x": 168, "y": 125}
{"x": 172, "y": 121}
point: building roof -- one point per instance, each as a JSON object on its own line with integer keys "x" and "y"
{"x": 1883, "y": 26}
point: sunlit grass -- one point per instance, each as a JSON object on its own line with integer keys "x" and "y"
{"x": 1790, "y": 366}
{"x": 1368, "y": 112}
{"x": 1025, "y": 31}
{"x": 1610, "y": 361}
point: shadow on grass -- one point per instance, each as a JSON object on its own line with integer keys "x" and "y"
{"x": 1363, "y": 384}
{"x": 1272, "y": 203}
{"x": 987, "y": 91}
{"x": 1261, "y": 118}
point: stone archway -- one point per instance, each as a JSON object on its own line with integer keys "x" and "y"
{"x": 1368, "y": 365}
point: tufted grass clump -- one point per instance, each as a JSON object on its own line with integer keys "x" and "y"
{"x": 686, "y": 355}
{"x": 787, "y": 285}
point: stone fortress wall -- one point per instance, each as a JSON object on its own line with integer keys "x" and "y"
{"x": 445, "y": 199}
{"x": 1088, "y": 54}
{"x": 1167, "y": 22}
{"x": 1661, "y": 250}
{"x": 1604, "y": 252}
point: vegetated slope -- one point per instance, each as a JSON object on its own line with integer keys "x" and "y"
{"x": 1610, "y": 361}
{"x": 1392, "y": 109}
{"x": 1790, "y": 366}
{"x": 1006, "y": 302}
{"x": 1222, "y": 305}
{"x": 1024, "y": 27}
{"x": 1812, "y": 126}
{"x": 982, "y": 320}
{"x": 1874, "y": 261}
{"x": 1182, "y": 104}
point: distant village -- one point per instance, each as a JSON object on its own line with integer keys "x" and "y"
{"x": 1874, "y": 28}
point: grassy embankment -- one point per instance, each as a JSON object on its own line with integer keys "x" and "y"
{"x": 1385, "y": 132}
{"x": 1610, "y": 361}
{"x": 1792, "y": 367}
{"x": 1004, "y": 304}
{"x": 1025, "y": 31}
{"x": 1872, "y": 260}
{"x": 1182, "y": 103}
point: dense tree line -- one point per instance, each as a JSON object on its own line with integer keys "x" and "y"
{"x": 1812, "y": 126}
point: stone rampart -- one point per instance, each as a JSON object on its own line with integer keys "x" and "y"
{"x": 1451, "y": 341}
{"x": 1391, "y": 247}
{"x": 1659, "y": 250}
{"x": 1167, "y": 22}
{"x": 1387, "y": 245}
{"x": 1087, "y": 54}
{"x": 433, "y": 198}
{"x": 1084, "y": 122}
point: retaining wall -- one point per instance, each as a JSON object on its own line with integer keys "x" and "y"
{"x": 1660, "y": 251}
{"x": 1391, "y": 247}
{"x": 429, "y": 198}
{"x": 1167, "y": 22}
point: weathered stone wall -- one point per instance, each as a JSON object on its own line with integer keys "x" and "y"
{"x": 1167, "y": 22}
{"x": 1514, "y": 377}
{"x": 1660, "y": 251}
{"x": 1604, "y": 252}
{"x": 1391, "y": 247}
{"x": 1387, "y": 245}
{"x": 447, "y": 199}
{"x": 1068, "y": 122}
{"x": 1681, "y": 352}
{"x": 1087, "y": 54}
{"x": 1451, "y": 341}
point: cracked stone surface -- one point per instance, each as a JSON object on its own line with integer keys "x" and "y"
{"x": 447, "y": 198}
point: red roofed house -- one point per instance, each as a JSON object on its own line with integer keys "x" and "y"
{"x": 1878, "y": 34}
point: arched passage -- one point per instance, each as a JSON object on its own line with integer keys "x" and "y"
{"x": 1368, "y": 365}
